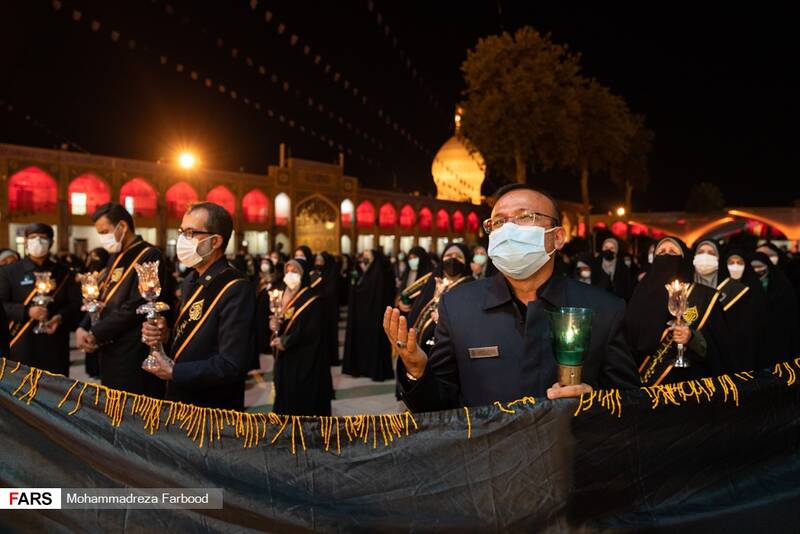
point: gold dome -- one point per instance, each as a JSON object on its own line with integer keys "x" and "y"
{"x": 458, "y": 173}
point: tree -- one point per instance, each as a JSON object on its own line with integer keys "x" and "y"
{"x": 602, "y": 138}
{"x": 632, "y": 171}
{"x": 705, "y": 197}
{"x": 520, "y": 106}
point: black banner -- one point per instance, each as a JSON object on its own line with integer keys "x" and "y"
{"x": 714, "y": 454}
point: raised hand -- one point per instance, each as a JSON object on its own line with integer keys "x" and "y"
{"x": 404, "y": 340}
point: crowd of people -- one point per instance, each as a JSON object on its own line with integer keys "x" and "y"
{"x": 465, "y": 328}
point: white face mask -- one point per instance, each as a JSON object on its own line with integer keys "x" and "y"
{"x": 413, "y": 263}
{"x": 292, "y": 280}
{"x": 265, "y": 268}
{"x": 186, "y": 249}
{"x": 736, "y": 271}
{"x": 705, "y": 263}
{"x": 109, "y": 241}
{"x": 519, "y": 251}
{"x": 480, "y": 259}
{"x": 38, "y": 247}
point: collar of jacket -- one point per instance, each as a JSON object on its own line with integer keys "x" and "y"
{"x": 215, "y": 268}
{"x": 31, "y": 265}
{"x": 553, "y": 292}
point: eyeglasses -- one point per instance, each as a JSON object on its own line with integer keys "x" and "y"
{"x": 525, "y": 218}
{"x": 190, "y": 233}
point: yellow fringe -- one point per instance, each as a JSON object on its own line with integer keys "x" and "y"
{"x": 500, "y": 407}
{"x": 206, "y": 425}
{"x": 703, "y": 389}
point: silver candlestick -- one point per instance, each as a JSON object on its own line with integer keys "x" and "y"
{"x": 150, "y": 289}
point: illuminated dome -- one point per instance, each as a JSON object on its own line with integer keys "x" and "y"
{"x": 457, "y": 172}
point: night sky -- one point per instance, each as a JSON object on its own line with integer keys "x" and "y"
{"x": 714, "y": 85}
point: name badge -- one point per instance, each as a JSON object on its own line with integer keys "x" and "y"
{"x": 26, "y": 281}
{"x": 484, "y": 352}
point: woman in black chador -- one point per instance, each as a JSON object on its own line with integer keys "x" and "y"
{"x": 303, "y": 384}
{"x": 780, "y": 336}
{"x": 652, "y": 337}
{"x": 367, "y": 351}
{"x": 329, "y": 293}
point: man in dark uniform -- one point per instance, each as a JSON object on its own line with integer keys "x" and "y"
{"x": 213, "y": 341}
{"x": 116, "y": 336}
{"x": 48, "y": 350}
{"x": 493, "y": 338}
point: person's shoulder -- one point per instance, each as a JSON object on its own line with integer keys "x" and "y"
{"x": 594, "y": 297}
{"x": 151, "y": 252}
{"x": 468, "y": 291}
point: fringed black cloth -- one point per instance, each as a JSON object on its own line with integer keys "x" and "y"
{"x": 712, "y": 454}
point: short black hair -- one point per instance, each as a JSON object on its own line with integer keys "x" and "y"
{"x": 218, "y": 222}
{"x": 115, "y": 213}
{"x": 525, "y": 187}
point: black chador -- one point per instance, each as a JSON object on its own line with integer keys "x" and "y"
{"x": 118, "y": 331}
{"x": 709, "y": 351}
{"x": 329, "y": 294}
{"x": 213, "y": 339}
{"x": 303, "y": 384}
{"x": 367, "y": 351}
{"x": 779, "y": 339}
{"x": 17, "y": 291}
{"x": 745, "y": 310}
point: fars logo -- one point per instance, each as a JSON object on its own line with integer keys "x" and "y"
{"x": 30, "y": 498}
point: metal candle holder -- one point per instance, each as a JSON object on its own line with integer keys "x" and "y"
{"x": 441, "y": 288}
{"x": 275, "y": 296}
{"x": 44, "y": 285}
{"x": 150, "y": 289}
{"x": 90, "y": 289}
{"x": 677, "y": 304}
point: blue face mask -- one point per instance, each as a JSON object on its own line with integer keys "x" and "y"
{"x": 519, "y": 251}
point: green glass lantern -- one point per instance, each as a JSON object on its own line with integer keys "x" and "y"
{"x": 571, "y": 329}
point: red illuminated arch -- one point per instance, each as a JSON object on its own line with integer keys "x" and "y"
{"x": 222, "y": 195}
{"x": 387, "y": 216}
{"x": 95, "y": 189}
{"x": 442, "y": 220}
{"x": 473, "y": 223}
{"x": 145, "y": 198}
{"x": 179, "y": 197}
{"x": 407, "y": 217}
{"x": 458, "y": 221}
{"x": 619, "y": 229}
{"x": 365, "y": 215}
{"x": 255, "y": 206}
{"x": 32, "y": 190}
{"x": 425, "y": 219}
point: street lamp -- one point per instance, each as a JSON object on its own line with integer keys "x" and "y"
{"x": 620, "y": 211}
{"x": 187, "y": 160}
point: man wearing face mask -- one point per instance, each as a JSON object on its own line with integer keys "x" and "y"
{"x": 213, "y": 340}
{"x": 48, "y": 350}
{"x": 493, "y": 339}
{"x": 115, "y": 336}
{"x": 480, "y": 262}
{"x": 609, "y": 271}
